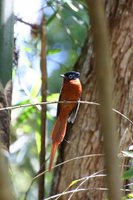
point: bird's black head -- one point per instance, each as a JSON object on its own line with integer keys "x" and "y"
{"x": 71, "y": 75}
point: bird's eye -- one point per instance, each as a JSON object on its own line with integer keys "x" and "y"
{"x": 70, "y": 76}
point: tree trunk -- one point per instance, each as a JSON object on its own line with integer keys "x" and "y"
{"x": 6, "y": 40}
{"x": 6, "y": 54}
{"x": 84, "y": 135}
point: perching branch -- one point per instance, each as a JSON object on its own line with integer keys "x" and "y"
{"x": 56, "y": 102}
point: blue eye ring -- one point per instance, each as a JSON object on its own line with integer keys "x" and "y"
{"x": 70, "y": 76}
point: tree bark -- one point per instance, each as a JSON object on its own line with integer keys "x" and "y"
{"x": 84, "y": 135}
{"x": 6, "y": 58}
{"x": 6, "y": 40}
{"x": 5, "y": 100}
{"x": 6, "y": 45}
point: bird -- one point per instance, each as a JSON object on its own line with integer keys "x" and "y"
{"x": 66, "y": 112}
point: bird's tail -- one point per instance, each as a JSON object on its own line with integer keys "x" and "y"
{"x": 57, "y": 136}
{"x": 52, "y": 155}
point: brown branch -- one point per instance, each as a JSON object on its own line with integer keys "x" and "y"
{"x": 56, "y": 102}
{"x": 35, "y": 28}
{"x": 104, "y": 80}
{"x": 45, "y": 103}
{"x": 29, "y": 24}
{"x": 41, "y": 182}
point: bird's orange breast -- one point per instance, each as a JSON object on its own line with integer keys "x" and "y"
{"x": 71, "y": 91}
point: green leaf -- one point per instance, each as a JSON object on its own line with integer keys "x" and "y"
{"x": 128, "y": 174}
{"x": 52, "y": 17}
{"x": 25, "y": 114}
{"x": 28, "y": 49}
{"x": 73, "y": 183}
{"x": 72, "y": 6}
{"x": 53, "y": 97}
{"x": 36, "y": 89}
{"x": 53, "y": 51}
{"x": 38, "y": 141}
{"x": 27, "y": 101}
{"x": 130, "y": 196}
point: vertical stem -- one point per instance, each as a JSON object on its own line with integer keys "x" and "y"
{"x": 105, "y": 86}
{"x": 41, "y": 184}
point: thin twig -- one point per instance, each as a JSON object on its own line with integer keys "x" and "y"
{"x": 56, "y": 102}
{"x": 44, "y": 103}
{"x": 41, "y": 181}
{"x": 62, "y": 163}
{"x": 81, "y": 190}
{"x": 27, "y": 23}
{"x": 74, "y": 191}
{"x": 84, "y": 179}
{"x": 72, "y": 159}
{"x": 116, "y": 111}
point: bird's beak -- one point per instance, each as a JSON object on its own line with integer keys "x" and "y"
{"x": 62, "y": 75}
